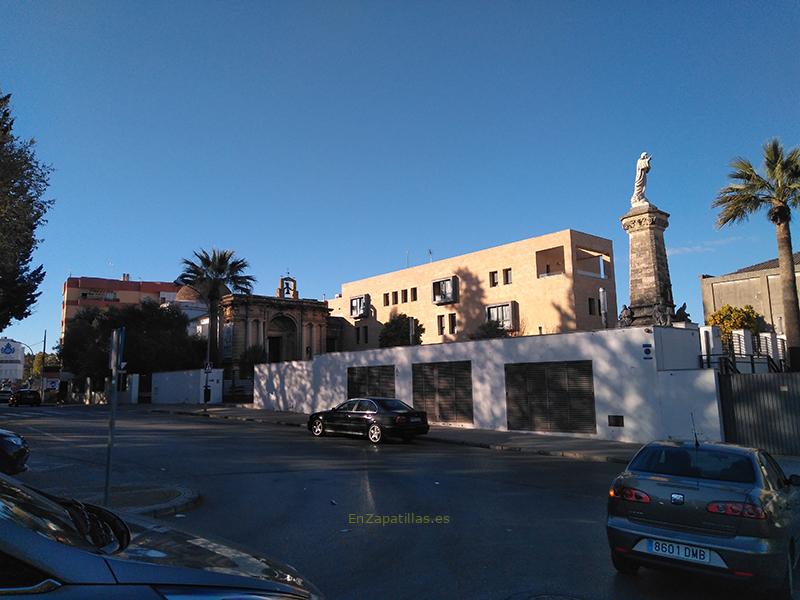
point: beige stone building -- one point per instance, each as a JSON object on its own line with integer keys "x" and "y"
{"x": 285, "y": 326}
{"x": 547, "y": 284}
{"x": 757, "y": 285}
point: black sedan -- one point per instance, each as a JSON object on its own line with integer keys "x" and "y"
{"x": 13, "y": 452}
{"x": 25, "y": 396}
{"x": 53, "y": 547}
{"x": 374, "y": 418}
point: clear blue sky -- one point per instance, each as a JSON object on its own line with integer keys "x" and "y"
{"x": 330, "y": 138}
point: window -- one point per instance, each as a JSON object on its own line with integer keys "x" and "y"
{"x": 492, "y": 278}
{"x": 440, "y": 324}
{"x": 506, "y": 276}
{"x": 367, "y": 406}
{"x": 453, "y": 322}
{"x": 404, "y": 296}
{"x": 550, "y": 262}
{"x": 386, "y": 299}
{"x": 394, "y": 297}
{"x": 445, "y": 291}
{"x": 700, "y": 463}
{"x": 413, "y": 294}
{"x": 366, "y": 334}
{"x": 502, "y": 314}
{"x": 358, "y": 335}
{"x": 591, "y": 306}
{"x": 358, "y": 306}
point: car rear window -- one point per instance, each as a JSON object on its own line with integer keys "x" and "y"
{"x": 700, "y": 463}
{"x": 393, "y": 404}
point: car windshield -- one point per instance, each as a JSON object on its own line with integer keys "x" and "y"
{"x": 32, "y": 511}
{"x": 700, "y": 463}
{"x": 393, "y": 404}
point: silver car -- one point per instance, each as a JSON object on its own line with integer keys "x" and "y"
{"x": 719, "y": 509}
{"x": 54, "y": 547}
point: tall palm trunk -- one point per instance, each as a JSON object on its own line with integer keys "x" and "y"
{"x": 791, "y": 309}
{"x": 213, "y": 328}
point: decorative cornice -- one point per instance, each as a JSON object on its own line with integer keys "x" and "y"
{"x": 649, "y": 220}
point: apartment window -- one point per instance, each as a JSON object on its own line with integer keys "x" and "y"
{"x": 358, "y": 335}
{"x": 453, "y": 323}
{"x": 591, "y": 306}
{"x": 386, "y": 299}
{"x": 493, "y": 279}
{"x": 540, "y": 330}
{"x": 404, "y": 296}
{"x": 366, "y": 334}
{"x": 445, "y": 291}
{"x": 358, "y": 306}
{"x": 502, "y": 314}
{"x": 440, "y": 324}
{"x": 506, "y": 276}
{"x": 413, "y": 294}
{"x": 394, "y": 297}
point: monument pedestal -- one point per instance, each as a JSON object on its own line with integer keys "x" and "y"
{"x": 650, "y": 286}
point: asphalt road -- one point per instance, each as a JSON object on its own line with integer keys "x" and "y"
{"x": 518, "y": 526}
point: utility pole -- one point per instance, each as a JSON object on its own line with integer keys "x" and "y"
{"x": 117, "y": 365}
{"x": 44, "y": 357}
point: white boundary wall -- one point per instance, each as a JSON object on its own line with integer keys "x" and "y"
{"x": 186, "y": 387}
{"x": 648, "y": 375}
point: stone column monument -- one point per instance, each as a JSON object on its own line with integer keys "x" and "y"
{"x": 650, "y": 286}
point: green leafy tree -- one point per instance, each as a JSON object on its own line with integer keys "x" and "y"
{"x": 729, "y": 318}
{"x": 395, "y": 332}
{"x": 777, "y": 192}
{"x": 23, "y": 181}
{"x": 214, "y": 275}
{"x": 50, "y": 360}
{"x": 489, "y": 331}
{"x": 156, "y": 339}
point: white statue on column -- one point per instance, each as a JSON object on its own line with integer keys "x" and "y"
{"x": 642, "y": 168}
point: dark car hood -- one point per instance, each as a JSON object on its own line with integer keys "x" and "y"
{"x": 186, "y": 559}
{"x": 7, "y": 433}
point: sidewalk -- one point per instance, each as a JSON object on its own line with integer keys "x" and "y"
{"x": 547, "y": 445}
{"x": 510, "y": 441}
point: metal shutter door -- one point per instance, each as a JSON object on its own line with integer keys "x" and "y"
{"x": 356, "y": 382}
{"x": 518, "y": 414}
{"x": 582, "y": 417}
{"x": 462, "y": 382}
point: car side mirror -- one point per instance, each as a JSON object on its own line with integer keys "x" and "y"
{"x": 794, "y": 480}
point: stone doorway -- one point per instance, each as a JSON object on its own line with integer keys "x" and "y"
{"x": 282, "y": 339}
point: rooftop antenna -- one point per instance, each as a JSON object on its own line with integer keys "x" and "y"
{"x": 430, "y": 255}
{"x": 694, "y": 431}
{"x": 406, "y": 259}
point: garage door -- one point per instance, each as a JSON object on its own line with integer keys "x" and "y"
{"x": 444, "y": 390}
{"x": 375, "y": 381}
{"x": 551, "y": 396}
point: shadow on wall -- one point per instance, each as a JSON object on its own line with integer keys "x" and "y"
{"x": 470, "y": 309}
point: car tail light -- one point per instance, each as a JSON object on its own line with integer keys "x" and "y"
{"x": 736, "y": 509}
{"x": 400, "y": 420}
{"x": 632, "y": 495}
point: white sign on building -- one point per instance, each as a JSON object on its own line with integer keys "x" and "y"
{"x": 12, "y": 360}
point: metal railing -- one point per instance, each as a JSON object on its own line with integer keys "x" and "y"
{"x": 742, "y": 363}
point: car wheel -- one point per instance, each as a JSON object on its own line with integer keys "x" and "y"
{"x": 624, "y": 565}
{"x": 318, "y": 428}
{"x": 374, "y": 433}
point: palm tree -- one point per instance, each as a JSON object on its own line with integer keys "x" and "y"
{"x": 779, "y": 192}
{"x": 213, "y": 276}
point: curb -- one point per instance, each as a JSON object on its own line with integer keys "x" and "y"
{"x": 187, "y": 499}
{"x": 559, "y": 453}
{"x": 496, "y": 447}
